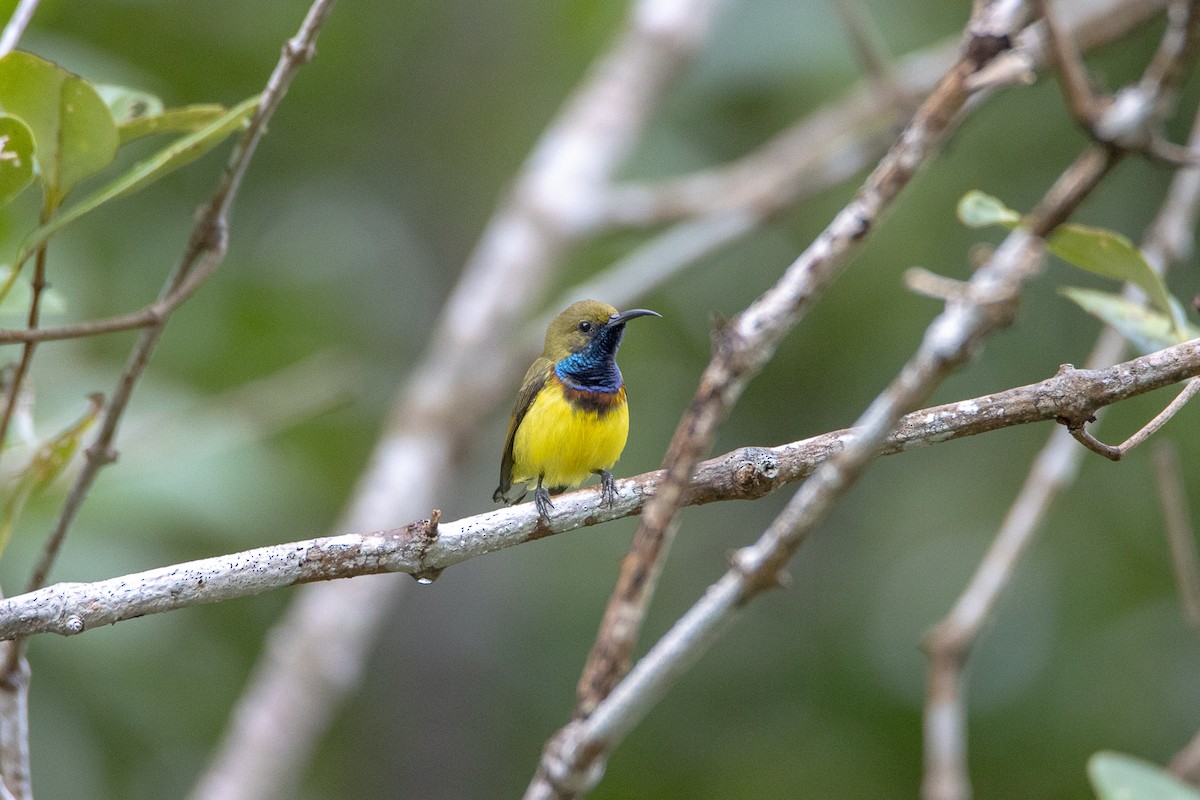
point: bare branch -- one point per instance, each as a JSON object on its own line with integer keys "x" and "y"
{"x": 14, "y": 731}
{"x": 1072, "y": 74}
{"x": 1132, "y": 118}
{"x": 1186, "y": 763}
{"x": 1079, "y": 430}
{"x": 871, "y": 54}
{"x": 16, "y": 379}
{"x": 17, "y": 23}
{"x": 746, "y": 473}
{"x": 1180, "y": 535}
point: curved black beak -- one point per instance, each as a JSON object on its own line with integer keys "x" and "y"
{"x": 624, "y": 316}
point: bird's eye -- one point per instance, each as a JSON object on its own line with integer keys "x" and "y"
{"x": 585, "y": 326}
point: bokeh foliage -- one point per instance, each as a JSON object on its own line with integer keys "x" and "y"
{"x": 379, "y": 170}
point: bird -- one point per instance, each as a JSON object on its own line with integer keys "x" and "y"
{"x": 571, "y": 418}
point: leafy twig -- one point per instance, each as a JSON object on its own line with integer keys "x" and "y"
{"x": 949, "y": 642}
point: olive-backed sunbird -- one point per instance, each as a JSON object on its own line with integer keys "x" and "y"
{"x": 571, "y": 418}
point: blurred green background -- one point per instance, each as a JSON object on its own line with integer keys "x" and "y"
{"x": 263, "y": 401}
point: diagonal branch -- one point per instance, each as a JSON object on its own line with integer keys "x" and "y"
{"x": 20, "y": 19}
{"x": 1181, "y": 537}
{"x": 750, "y": 339}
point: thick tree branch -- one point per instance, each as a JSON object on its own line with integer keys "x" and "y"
{"x": 421, "y": 549}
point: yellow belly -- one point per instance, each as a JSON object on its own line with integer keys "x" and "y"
{"x": 563, "y": 444}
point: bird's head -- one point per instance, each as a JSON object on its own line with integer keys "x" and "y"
{"x": 588, "y": 331}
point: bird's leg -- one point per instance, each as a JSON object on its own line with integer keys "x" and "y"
{"x": 541, "y": 499}
{"x": 608, "y": 488}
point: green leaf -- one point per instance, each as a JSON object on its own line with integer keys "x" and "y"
{"x": 73, "y": 132}
{"x": 1111, "y": 255}
{"x": 1099, "y": 251}
{"x": 979, "y": 210}
{"x": 1116, "y": 776}
{"x": 128, "y": 105}
{"x": 16, "y": 157}
{"x": 47, "y": 464}
{"x": 181, "y": 153}
{"x": 1147, "y": 329}
{"x": 187, "y": 119}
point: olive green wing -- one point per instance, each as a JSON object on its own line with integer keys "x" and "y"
{"x": 535, "y": 379}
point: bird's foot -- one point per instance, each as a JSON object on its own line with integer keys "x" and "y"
{"x": 608, "y": 488}
{"x": 541, "y": 499}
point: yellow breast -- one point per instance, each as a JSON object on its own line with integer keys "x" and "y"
{"x": 565, "y": 444}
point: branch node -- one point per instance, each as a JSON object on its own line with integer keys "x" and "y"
{"x": 299, "y": 51}
{"x": 73, "y": 624}
{"x": 754, "y": 472}
{"x": 1010, "y": 68}
{"x": 760, "y": 576}
{"x": 427, "y": 534}
{"x": 561, "y": 765}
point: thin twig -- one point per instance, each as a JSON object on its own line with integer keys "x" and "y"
{"x": 742, "y": 474}
{"x": 1072, "y": 74}
{"x": 14, "y": 731}
{"x": 1132, "y": 118}
{"x": 749, "y": 340}
{"x": 1079, "y": 431}
{"x": 1186, "y": 763}
{"x": 204, "y": 252}
{"x": 17, "y": 23}
{"x": 870, "y": 52}
{"x": 17, "y": 377}
{"x": 1180, "y": 535}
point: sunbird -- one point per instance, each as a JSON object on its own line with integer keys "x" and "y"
{"x": 571, "y": 418}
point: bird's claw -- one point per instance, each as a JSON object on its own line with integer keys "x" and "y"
{"x": 608, "y": 488}
{"x": 541, "y": 499}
